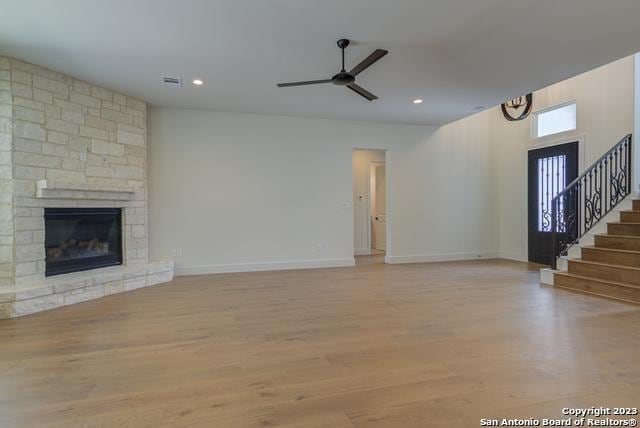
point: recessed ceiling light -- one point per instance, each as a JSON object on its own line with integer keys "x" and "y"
{"x": 198, "y": 82}
{"x": 418, "y": 101}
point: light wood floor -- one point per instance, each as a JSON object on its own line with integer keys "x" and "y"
{"x": 423, "y": 345}
{"x": 375, "y": 258}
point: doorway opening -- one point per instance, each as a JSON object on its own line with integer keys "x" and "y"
{"x": 551, "y": 169}
{"x": 370, "y": 206}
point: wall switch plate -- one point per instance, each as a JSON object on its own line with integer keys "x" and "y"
{"x": 83, "y": 156}
{"x": 345, "y": 205}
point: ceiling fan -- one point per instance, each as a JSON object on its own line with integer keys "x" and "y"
{"x": 345, "y": 78}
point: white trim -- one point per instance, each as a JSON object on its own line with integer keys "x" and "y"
{"x": 428, "y": 258}
{"x": 264, "y": 266}
{"x": 514, "y": 256}
{"x": 362, "y": 252}
{"x": 369, "y": 214}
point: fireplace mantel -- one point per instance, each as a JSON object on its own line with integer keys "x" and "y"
{"x": 55, "y": 189}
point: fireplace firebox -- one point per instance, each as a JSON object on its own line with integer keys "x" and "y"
{"x": 78, "y": 239}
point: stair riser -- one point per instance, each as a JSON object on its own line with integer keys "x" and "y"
{"x": 630, "y": 216}
{"x": 608, "y": 290}
{"x": 618, "y": 243}
{"x": 636, "y": 204}
{"x": 607, "y": 273}
{"x": 623, "y": 229}
{"x": 609, "y": 257}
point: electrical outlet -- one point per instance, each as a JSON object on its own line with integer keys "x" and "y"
{"x": 83, "y": 156}
{"x": 319, "y": 247}
{"x": 174, "y": 252}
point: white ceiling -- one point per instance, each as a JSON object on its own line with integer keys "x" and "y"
{"x": 456, "y": 54}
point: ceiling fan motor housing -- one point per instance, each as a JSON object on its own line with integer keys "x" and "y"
{"x": 343, "y": 43}
{"x": 343, "y": 79}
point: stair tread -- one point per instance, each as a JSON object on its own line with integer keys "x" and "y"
{"x": 630, "y": 211}
{"x": 588, "y": 278}
{"x": 613, "y": 250}
{"x": 618, "y": 236}
{"x": 623, "y": 222}
{"x": 604, "y": 264}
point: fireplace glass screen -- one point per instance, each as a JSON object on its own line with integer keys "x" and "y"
{"x": 78, "y": 239}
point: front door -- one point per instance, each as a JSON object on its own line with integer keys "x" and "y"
{"x": 551, "y": 169}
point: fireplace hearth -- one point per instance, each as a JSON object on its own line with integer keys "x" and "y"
{"x": 78, "y": 239}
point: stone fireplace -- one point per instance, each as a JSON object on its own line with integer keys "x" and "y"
{"x": 73, "y": 191}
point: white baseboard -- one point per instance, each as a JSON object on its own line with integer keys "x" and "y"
{"x": 428, "y": 258}
{"x": 263, "y": 266}
{"x": 362, "y": 252}
{"x": 514, "y": 256}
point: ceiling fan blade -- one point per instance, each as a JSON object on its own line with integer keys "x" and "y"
{"x": 308, "y": 82}
{"x": 361, "y": 91}
{"x": 368, "y": 61}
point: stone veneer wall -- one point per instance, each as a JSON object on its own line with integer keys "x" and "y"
{"x": 74, "y": 135}
{"x": 7, "y": 266}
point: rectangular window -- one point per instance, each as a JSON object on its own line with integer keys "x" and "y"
{"x": 551, "y": 181}
{"x": 557, "y": 119}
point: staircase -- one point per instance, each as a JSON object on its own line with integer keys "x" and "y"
{"x": 595, "y": 230}
{"x": 611, "y": 266}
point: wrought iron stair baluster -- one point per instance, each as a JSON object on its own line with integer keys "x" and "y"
{"x": 577, "y": 208}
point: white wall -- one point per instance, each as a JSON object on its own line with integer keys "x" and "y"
{"x": 605, "y": 114}
{"x": 361, "y": 162}
{"x": 450, "y": 202}
{"x": 636, "y": 132}
{"x": 249, "y": 192}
